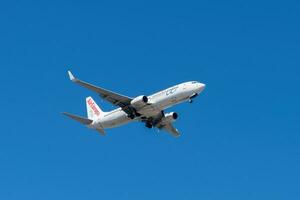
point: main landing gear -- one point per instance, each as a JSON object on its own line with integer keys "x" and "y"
{"x": 131, "y": 116}
{"x": 148, "y": 125}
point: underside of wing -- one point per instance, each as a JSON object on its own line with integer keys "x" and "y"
{"x": 112, "y": 97}
{"x": 159, "y": 121}
{"x": 171, "y": 129}
{"x": 116, "y": 99}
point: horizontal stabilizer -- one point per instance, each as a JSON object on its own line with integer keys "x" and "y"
{"x": 101, "y": 131}
{"x": 79, "y": 119}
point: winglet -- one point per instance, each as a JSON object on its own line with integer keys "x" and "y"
{"x": 71, "y": 76}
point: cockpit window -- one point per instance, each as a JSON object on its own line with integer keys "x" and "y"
{"x": 193, "y": 82}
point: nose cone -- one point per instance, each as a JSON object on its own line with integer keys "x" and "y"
{"x": 196, "y": 87}
{"x": 200, "y": 87}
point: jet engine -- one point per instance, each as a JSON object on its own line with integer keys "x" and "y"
{"x": 170, "y": 117}
{"x": 139, "y": 101}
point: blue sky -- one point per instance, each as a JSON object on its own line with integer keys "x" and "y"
{"x": 240, "y": 139}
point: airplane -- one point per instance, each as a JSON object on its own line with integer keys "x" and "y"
{"x": 146, "y": 109}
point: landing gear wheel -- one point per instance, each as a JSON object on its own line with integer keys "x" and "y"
{"x": 131, "y": 116}
{"x": 148, "y": 125}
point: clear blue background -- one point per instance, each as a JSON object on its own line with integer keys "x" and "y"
{"x": 240, "y": 139}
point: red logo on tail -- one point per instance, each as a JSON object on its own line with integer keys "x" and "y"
{"x": 93, "y": 106}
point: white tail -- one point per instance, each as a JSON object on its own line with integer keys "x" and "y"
{"x": 94, "y": 112}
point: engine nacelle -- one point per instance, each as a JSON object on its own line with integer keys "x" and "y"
{"x": 170, "y": 117}
{"x": 139, "y": 101}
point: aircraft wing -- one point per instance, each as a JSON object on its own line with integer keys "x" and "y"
{"x": 112, "y": 97}
{"x": 171, "y": 129}
{"x": 167, "y": 126}
{"x": 157, "y": 122}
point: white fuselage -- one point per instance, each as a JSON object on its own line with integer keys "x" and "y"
{"x": 157, "y": 102}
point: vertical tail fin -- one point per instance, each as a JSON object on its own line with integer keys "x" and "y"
{"x": 94, "y": 112}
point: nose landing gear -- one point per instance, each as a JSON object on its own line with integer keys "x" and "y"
{"x": 192, "y": 97}
{"x": 148, "y": 124}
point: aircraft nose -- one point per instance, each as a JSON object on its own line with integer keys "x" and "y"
{"x": 200, "y": 87}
